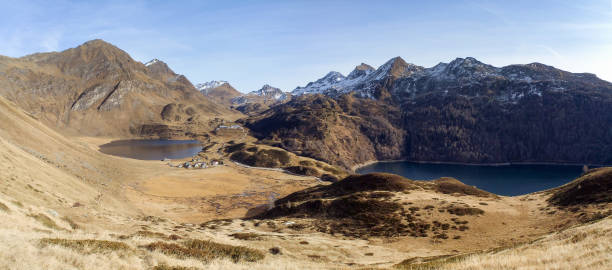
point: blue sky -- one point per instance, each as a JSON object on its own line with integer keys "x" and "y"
{"x": 289, "y": 43}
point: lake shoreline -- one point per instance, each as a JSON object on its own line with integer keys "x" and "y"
{"x": 360, "y": 166}
{"x": 506, "y": 179}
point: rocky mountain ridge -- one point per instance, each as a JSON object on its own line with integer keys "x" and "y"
{"x": 266, "y": 94}
{"x": 405, "y": 81}
{"x": 463, "y": 111}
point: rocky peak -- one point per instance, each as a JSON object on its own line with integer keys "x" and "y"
{"x": 158, "y": 69}
{"x": 331, "y": 77}
{"x": 467, "y": 67}
{"x": 396, "y": 68}
{"x": 93, "y": 59}
{"x": 360, "y": 71}
{"x": 152, "y": 62}
{"x": 267, "y": 90}
{"x": 210, "y": 85}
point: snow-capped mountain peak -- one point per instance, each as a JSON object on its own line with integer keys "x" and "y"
{"x": 266, "y": 94}
{"x": 267, "y": 91}
{"x": 155, "y": 60}
{"x": 209, "y": 85}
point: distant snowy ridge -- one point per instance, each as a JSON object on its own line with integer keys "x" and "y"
{"x": 209, "y": 85}
{"x": 266, "y": 93}
{"x": 407, "y": 80}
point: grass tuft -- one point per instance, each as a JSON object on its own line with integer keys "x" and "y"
{"x": 4, "y": 208}
{"x": 87, "y": 246}
{"x": 72, "y": 224}
{"x": 46, "y": 221}
{"x": 206, "y": 251}
{"x": 18, "y": 203}
{"x": 429, "y": 263}
{"x": 247, "y": 236}
{"x": 462, "y": 211}
{"x": 168, "y": 267}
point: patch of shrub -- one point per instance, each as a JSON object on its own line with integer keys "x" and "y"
{"x": 303, "y": 170}
{"x": 206, "y": 251}
{"x": 168, "y": 267}
{"x": 87, "y": 246}
{"x": 297, "y": 226}
{"x": 441, "y": 236}
{"x": 178, "y": 251}
{"x": 307, "y": 163}
{"x": 235, "y": 147}
{"x": 275, "y": 251}
{"x": 150, "y": 234}
{"x": 462, "y": 211}
{"x": 430, "y": 263}
{"x": 270, "y": 158}
{"x": 380, "y": 194}
{"x": 247, "y": 236}
{"x": 235, "y": 253}
{"x": 333, "y": 170}
{"x": 329, "y": 178}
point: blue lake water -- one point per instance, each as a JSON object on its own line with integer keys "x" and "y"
{"x": 152, "y": 149}
{"x": 508, "y": 180}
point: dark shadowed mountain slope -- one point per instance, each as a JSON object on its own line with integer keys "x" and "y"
{"x": 463, "y": 111}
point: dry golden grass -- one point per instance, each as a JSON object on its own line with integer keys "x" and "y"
{"x": 87, "y": 245}
{"x": 247, "y": 236}
{"x": 168, "y": 267}
{"x": 70, "y": 222}
{"x": 4, "y": 208}
{"x": 582, "y": 247}
{"x": 206, "y": 251}
{"x": 45, "y": 171}
{"x": 46, "y": 221}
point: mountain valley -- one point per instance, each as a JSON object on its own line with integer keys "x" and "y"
{"x": 274, "y": 186}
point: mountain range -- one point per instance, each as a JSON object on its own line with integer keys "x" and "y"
{"x": 245, "y": 202}
{"x": 462, "y": 111}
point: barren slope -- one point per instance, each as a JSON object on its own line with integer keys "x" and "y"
{"x": 98, "y": 89}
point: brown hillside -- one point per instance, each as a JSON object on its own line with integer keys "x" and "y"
{"x": 97, "y": 89}
{"x": 222, "y": 94}
{"x": 374, "y": 205}
{"x": 593, "y": 187}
